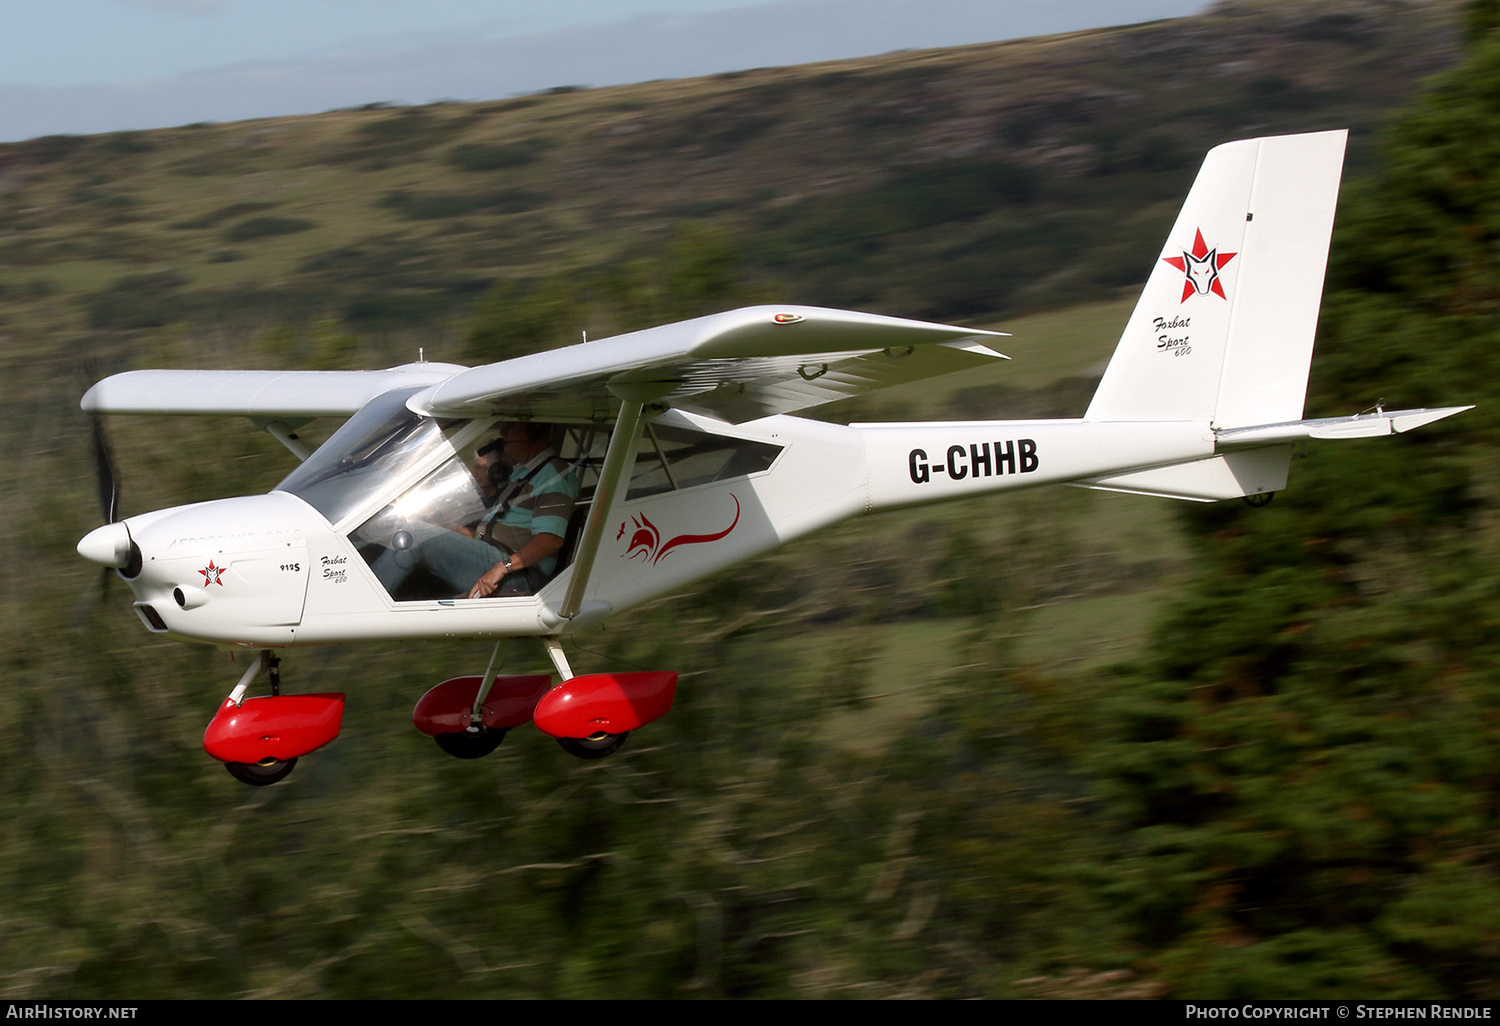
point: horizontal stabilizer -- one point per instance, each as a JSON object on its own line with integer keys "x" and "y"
{"x": 1363, "y": 425}
{"x": 1254, "y": 460}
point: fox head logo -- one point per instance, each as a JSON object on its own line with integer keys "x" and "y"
{"x": 645, "y": 539}
{"x": 1201, "y": 268}
{"x": 646, "y": 542}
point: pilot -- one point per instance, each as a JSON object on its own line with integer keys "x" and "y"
{"x": 512, "y": 549}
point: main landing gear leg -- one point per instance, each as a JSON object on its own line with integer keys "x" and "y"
{"x": 559, "y": 659}
{"x": 469, "y": 716}
{"x": 589, "y": 715}
{"x": 476, "y": 740}
{"x": 596, "y": 745}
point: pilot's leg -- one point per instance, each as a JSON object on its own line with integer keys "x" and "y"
{"x": 392, "y": 567}
{"x": 457, "y": 560}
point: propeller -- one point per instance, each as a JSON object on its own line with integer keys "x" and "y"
{"x": 110, "y": 545}
{"x": 104, "y": 472}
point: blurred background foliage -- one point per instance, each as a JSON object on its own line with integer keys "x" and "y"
{"x": 1064, "y": 745}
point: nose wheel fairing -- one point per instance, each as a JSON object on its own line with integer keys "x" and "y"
{"x": 279, "y": 727}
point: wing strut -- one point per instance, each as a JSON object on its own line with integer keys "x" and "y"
{"x": 634, "y": 396}
{"x": 282, "y": 432}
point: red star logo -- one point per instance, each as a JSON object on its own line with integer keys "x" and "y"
{"x": 1201, "y": 268}
{"x": 213, "y": 574}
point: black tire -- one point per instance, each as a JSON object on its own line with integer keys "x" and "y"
{"x": 261, "y": 774}
{"x": 463, "y": 745}
{"x": 596, "y": 746}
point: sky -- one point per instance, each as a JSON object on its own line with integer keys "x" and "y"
{"x": 84, "y": 66}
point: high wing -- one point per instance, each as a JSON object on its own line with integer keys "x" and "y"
{"x": 736, "y": 366}
{"x": 261, "y": 395}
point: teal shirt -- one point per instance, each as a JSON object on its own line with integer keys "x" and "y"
{"x": 543, "y": 505}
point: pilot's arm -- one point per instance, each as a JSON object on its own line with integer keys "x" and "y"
{"x": 539, "y": 548}
{"x": 554, "y": 501}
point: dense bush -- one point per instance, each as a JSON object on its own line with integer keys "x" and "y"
{"x": 426, "y": 206}
{"x": 265, "y": 227}
{"x": 497, "y": 156}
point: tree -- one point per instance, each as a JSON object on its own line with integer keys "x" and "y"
{"x": 1305, "y": 771}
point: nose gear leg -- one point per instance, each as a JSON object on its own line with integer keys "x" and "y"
{"x": 260, "y": 739}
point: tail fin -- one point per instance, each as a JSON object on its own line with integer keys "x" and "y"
{"x": 1223, "y": 331}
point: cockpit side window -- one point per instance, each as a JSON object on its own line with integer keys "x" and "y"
{"x": 671, "y": 458}
{"x": 506, "y": 503}
{"x": 525, "y": 482}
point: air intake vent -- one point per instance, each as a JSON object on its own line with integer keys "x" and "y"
{"x": 151, "y": 618}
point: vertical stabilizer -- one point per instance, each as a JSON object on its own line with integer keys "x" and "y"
{"x": 1224, "y": 328}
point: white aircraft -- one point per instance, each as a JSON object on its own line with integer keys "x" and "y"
{"x": 639, "y": 463}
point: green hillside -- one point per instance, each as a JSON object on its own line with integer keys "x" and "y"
{"x": 954, "y": 183}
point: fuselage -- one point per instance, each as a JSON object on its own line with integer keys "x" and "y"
{"x": 372, "y": 535}
{"x": 296, "y": 567}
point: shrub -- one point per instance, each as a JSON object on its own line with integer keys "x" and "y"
{"x": 497, "y": 156}
{"x": 264, "y": 227}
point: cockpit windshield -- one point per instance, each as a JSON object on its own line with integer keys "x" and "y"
{"x": 378, "y": 443}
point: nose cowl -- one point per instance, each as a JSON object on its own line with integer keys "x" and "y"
{"x": 108, "y": 545}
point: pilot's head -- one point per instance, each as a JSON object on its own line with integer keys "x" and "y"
{"x": 518, "y": 442}
{"x": 524, "y": 430}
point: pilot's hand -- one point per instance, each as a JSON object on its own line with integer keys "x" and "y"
{"x": 486, "y": 585}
